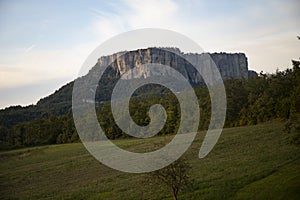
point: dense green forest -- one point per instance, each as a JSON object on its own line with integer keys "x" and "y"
{"x": 252, "y": 101}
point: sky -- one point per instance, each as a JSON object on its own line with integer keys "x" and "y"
{"x": 44, "y": 43}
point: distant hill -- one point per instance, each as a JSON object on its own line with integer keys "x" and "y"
{"x": 59, "y": 103}
{"x": 249, "y": 100}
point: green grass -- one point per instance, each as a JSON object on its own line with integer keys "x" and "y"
{"x": 253, "y": 162}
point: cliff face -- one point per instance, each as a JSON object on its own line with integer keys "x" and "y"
{"x": 230, "y": 65}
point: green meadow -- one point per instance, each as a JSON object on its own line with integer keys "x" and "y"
{"x": 250, "y": 162}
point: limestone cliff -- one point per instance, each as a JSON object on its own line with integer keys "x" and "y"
{"x": 230, "y": 65}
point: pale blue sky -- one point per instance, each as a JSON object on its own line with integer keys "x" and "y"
{"x": 44, "y": 43}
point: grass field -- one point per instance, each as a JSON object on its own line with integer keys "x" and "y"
{"x": 253, "y": 162}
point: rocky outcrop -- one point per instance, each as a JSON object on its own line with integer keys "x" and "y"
{"x": 230, "y": 65}
{"x": 60, "y": 102}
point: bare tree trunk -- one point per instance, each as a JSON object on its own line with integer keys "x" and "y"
{"x": 175, "y": 192}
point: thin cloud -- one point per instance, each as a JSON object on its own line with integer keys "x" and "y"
{"x": 29, "y": 48}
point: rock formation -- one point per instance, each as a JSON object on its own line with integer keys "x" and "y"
{"x": 230, "y": 65}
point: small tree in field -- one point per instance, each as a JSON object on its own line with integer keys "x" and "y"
{"x": 175, "y": 176}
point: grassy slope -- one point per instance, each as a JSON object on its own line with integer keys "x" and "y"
{"x": 247, "y": 162}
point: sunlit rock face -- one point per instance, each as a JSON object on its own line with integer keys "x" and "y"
{"x": 230, "y": 65}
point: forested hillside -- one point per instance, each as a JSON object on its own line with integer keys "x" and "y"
{"x": 249, "y": 101}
